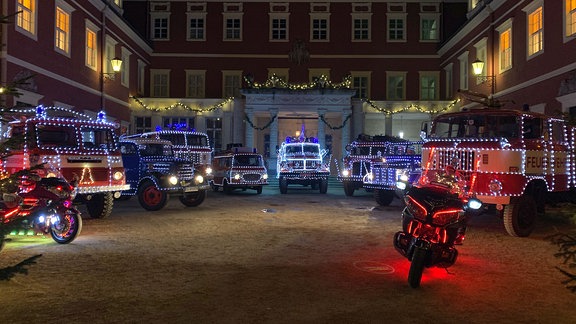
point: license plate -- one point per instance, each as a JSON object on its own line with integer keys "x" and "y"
{"x": 190, "y": 189}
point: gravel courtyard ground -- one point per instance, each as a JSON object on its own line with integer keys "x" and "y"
{"x": 302, "y": 257}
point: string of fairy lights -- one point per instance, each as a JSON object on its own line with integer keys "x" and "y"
{"x": 198, "y": 109}
{"x": 321, "y": 82}
{"x": 412, "y": 106}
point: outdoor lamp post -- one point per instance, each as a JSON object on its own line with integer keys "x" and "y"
{"x": 116, "y": 67}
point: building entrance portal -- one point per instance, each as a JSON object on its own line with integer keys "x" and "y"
{"x": 325, "y": 113}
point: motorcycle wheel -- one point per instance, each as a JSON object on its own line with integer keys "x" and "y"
{"x": 193, "y": 199}
{"x": 67, "y": 229}
{"x": 417, "y": 267}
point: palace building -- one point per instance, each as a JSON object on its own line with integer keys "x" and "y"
{"x": 255, "y": 72}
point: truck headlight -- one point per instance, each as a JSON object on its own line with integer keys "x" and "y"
{"x": 237, "y": 176}
{"x": 265, "y": 176}
{"x": 118, "y": 175}
{"x": 173, "y": 180}
{"x": 199, "y": 178}
{"x": 345, "y": 173}
{"x": 208, "y": 170}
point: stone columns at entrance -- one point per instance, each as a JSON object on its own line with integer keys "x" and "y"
{"x": 273, "y": 141}
{"x": 346, "y": 129}
{"x": 321, "y": 132}
{"x": 249, "y": 140}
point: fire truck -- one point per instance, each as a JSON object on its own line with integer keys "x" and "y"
{"x": 510, "y": 159}
{"x": 301, "y": 161}
{"x": 360, "y": 156}
{"x": 74, "y": 146}
{"x": 239, "y": 168}
{"x": 400, "y": 161}
{"x": 188, "y": 145}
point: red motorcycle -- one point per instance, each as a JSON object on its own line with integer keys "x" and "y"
{"x": 433, "y": 222}
{"x": 41, "y": 206}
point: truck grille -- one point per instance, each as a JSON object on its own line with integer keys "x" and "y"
{"x": 442, "y": 157}
{"x": 186, "y": 172}
{"x": 385, "y": 176}
{"x": 360, "y": 168}
{"x": 251, "y": 177}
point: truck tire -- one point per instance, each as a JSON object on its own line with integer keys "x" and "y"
{"x": 100, "y": 205}
{"x": 193, "y": 199}
{"x": 226, "y": 187}
{"x": 348, "y": 188}
{"x": 214, "y": 187}
{"x": 383, "y": 197}
{"x": 150, "y": 198}
{"x": 259, "y": 190}
{"x": 283, "y": 185}
{"x": 323, "y": 186}
{"x": 520, "y": 216}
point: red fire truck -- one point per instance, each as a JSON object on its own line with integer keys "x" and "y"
{"x": 74, "y": 146}
{"x": 511, "y": 159}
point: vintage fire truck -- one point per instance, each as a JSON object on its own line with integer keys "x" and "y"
{"x": 361, "y": 154}
{"x": 154, "y": 174}
{"x": 239, "y": 168}
{"x": 301, "y": 161}
{"x": 399, "y": 161}
{"x": 72, "y": 145}
{"x": 189, "y": 145}
{"x": 510, "y": 159}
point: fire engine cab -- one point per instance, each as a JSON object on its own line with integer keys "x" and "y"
{"x": 509, "y": 158}
{"x": 239, "y": 168}
{"x": 72, "y": 145}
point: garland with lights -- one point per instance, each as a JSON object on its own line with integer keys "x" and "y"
{"x": 247, "y": 119}
{"x": 321, "y": 82}
{"x": 409, "y": 107}
{"x": 335, "y": 127}
{"x": 181, "y": 105}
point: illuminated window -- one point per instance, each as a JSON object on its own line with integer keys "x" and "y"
{"x": 195, "y": 85}
{"x": 62, "y": 31}
{"x": 395, "y": 85}
{"x": 91, "y": 47}
{"x": 535, "y": 31}
{"x": 160, "y": 82}
{"x": 505, "y": 45}
{"x": 570, "y": 6}
{"x": 26, "y": 19}
{"x": 428, "y": 28}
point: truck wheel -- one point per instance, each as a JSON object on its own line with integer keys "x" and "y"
{"x": 348, "y": 188}
{"x": 520, "y": 216}
{"x": 150, "y": 198}
{"x": 193, "y": 199}
{"x": 214, "y": 187}
{"x": 259, "y": 190}
{"x": 323, "y": 186}
{"x": 283, "y": 185}
{"x": 227, "y": 189}
{"x": 383, "y": 197}
{"x": 100, "y": 205}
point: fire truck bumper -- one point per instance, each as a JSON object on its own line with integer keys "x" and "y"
{"x": 494, "y": 200}
{"x": 100, "y": 189}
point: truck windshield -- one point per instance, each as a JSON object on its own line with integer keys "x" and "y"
{"x": 478, "y": 126}
{"x": 311, "y": 149}
{"x": 247, "y": 160}
{"x": 155, "y": 150}
{"x": 56, "y": 136}
{"x": 101, "y": 138}
{"x": 197, "y": 140}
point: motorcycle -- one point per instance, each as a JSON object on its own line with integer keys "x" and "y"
{"x": 41, "y": 206}
{"x": 434, "y": 221}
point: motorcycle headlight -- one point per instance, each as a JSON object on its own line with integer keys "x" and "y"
{"x": 445, "y": 217}
{"x": 199, "y": 179}
{"x": 474, "y": 204}
{"x": 415, "y": 208}
{"x": 173, "y": 180}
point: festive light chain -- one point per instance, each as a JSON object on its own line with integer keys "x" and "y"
{"x": 181, "y": 105}
{"x": 322, "y": 82}
{"x": 337, "y": 127}
{"x": 410, "y": 107}
{"x": 247, "y": 119}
